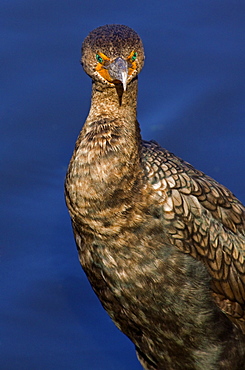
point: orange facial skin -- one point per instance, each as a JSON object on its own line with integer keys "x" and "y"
{"x": 102, "y": 70}
{"x": 101, "y": 67}
{"x": 132, "y": 62}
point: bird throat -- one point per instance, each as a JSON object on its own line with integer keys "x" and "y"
{"x": 105, "y": 166}
{"x": 113, "y": 101}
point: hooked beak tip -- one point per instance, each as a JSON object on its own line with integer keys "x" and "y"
{"x": 118, "y": 70}
{"x": 124, "y": 80}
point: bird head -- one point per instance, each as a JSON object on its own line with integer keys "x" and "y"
{"x": 113, "y": 54}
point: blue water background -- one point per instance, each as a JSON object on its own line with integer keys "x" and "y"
{"x": 191, "y": 100}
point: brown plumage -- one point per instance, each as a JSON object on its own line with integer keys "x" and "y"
{"x": 162, "y": 244}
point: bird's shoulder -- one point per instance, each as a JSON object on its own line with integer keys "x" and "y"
{"x": 177, "y": 178}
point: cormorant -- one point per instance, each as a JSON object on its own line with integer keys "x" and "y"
{"x": 161, "y": 243}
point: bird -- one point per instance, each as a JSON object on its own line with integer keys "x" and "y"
{"x": 161, "y": 243}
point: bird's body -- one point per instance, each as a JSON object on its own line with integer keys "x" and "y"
{"x": 162, "y": 244}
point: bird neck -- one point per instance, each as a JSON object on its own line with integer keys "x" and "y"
{"x": 113, "y": 102}
{"x": 111, "y": 128}
{"x": 106, "y": 160}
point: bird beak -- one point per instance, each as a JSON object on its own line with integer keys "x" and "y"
{"x": 118, "y": 70}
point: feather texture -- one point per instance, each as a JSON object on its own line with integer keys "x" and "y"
{"x": 162, "y": 244}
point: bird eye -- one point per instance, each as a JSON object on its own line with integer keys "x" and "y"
{"x": 99, "y": 58}
{"x": 134, "y": 56}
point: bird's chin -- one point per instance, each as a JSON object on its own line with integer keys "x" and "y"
{"x": 113, "y": 84}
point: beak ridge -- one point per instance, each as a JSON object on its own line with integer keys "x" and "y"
{"x": 118, "y": 70}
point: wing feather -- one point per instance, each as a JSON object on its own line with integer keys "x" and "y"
{"x": 204, "y": 219}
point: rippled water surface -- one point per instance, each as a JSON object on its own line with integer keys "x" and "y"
{"x": 191, "y": 100}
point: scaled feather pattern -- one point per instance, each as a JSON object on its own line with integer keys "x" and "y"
{"x": 161, "y": 243}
